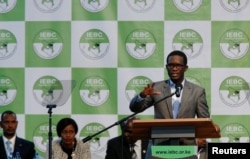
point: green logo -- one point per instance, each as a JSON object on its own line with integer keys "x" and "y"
{"x": 136, "y": 85}
{"x": 94, "y": 91}
{"x": 234, "y": 5}
{"x": 48, "y": 90}
{"x": 234, "y": 44}
{"x": 98, "y": 142}
{"x": 7, "y": 5}
{"x": 189, "y": 41}
{"x": 8, "y": 90}
{"x": 94, "y": 44}
{"x": 8, "y": 44}
{"x": 187, "y": 5}
{"x": 140, "y": 44}
{"x": 94, "y": 5}
{"x": 48, "y": 44}
{"x": 234, "y": 132}
{"x": 48, "y": 6}
{"x": 40, "y": 136}
{"x": 234, "y": 91}
{"x": 140, "y": 5}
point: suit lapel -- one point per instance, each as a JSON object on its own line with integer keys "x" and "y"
{"x": 17, "y": 146}
{"x": 185, "y": 96}
{"x": 168, "y": 103}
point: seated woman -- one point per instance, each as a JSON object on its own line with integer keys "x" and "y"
{"x": 68, "y": 146}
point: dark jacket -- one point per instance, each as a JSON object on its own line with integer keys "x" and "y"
{"x": 117, "y": 148}
{"x": 24, "y": 147}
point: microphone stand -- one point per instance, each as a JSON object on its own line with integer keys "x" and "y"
{"x": 124, "y": 119}
{"x": 50, "y": 129}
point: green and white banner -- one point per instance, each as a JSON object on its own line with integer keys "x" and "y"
{"x": 90, "y": 57}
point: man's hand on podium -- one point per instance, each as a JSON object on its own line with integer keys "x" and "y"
{"x": 201, "y": 142}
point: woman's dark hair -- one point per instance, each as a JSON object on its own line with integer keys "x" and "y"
{"x": 179, "y": 53}
{"x": 63, "y": 123}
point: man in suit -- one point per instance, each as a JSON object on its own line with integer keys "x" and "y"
{"x": 190, "y": 97}
{"x": 121, "y": 147}
{"x": 24, "y": 148}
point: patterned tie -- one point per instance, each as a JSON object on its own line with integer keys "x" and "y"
{"x": 176, "y": 106}
{"x": 9, "y": 149}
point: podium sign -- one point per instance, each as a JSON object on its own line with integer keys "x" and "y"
{"x": 172, "y": 152}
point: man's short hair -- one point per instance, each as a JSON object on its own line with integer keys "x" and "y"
{"x": 7, "y": 112}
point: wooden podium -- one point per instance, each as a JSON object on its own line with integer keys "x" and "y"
{"x": 174, "y": 128}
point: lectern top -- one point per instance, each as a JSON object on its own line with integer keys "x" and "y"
{"x": 204, "y": 127}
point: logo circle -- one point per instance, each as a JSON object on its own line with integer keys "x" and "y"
{"x": 94, "y": 90}
{"x": 8, "y": 44}
{"x": 234, "y": 6}
{"x": 48, "y": 90}
{"x": 8, "y": 90}
{"x": 98, "y": 142}
{"x": 187, "y": 5}
{"x": 135, "y": 85}
{"x": 40, "y": 136}
{"x": 234, "y": 91}
{"x": 141, "y": 5}
{"x": 48, "y": 6}
{"x": 189, "y": 41}
{"x": 94, "y": 5}
{"x": 140, "y": 44}
{"x": 7, "y": 5}
{"x": 48, "y": 44}
{"x": 94, "y": 44}
{"x": 234, "y": 133}
{"x": 234, "y": 44}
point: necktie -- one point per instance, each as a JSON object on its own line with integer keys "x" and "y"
{"x": 133, "y": 153}
{"x": 9, "y": 149}
{"x": 176, "y": 106}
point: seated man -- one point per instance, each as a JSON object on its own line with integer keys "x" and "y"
{"x": 124, "y": 146}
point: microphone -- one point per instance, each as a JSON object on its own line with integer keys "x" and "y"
{"x": 178, "y": 88}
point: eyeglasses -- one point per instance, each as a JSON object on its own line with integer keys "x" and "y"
{"x": 171, "y": 66}
{"x": 70, "y": 132}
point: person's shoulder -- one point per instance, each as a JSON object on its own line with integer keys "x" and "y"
{"x": 160, "y": 83}
{"x": 56, "y": 143}
{"x": 24, "y": 141}
{"x": 193, "y": 85}
{"x": 84, "y": 145}
{"x": 115, "y": 139}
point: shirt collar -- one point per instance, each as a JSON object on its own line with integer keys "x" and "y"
{"x": 13, "y": 139}
{"x": 172, "y": 84}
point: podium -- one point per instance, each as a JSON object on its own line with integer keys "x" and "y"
{"x": 174, "y": 129}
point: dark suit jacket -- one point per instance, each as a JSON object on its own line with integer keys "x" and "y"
{"x": 24, "y": 147}
{"x": 117, "y": 148}
{"x": 193, "y": 103}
